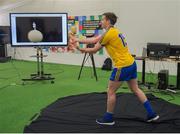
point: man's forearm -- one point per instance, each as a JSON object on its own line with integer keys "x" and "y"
{"x": 92, "y": 40}
{"x": 87, "y": 50}
{"x": 90, "y": 50}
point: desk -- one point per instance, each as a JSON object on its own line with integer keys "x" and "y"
{"x": 170, "y": 59}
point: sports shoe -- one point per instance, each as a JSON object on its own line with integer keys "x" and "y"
{"x": 102, "y": 121}
{"x": 152, "y": 118}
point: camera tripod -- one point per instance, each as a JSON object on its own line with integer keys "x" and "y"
{"x": 86, "y": 56}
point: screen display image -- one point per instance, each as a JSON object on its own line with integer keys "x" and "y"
{"x": 53, "y": 28}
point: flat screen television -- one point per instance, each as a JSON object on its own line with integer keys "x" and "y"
{"x": 53, "y": 27}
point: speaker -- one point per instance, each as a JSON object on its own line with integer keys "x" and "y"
{"x": 3, "y": 54}
{"x": 175, "y": 50}
{"x": 2, "y": 50}
{"x": 163, "y": 79}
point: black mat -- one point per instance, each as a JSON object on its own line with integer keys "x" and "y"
{"x": 78, "y": 114}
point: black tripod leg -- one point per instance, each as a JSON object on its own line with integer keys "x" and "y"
{"x": 42, "y": 67}
{"x": 82, "y": 66}
{"x": 38, "y": 67}
{"x": 143, "y": 71}
{"x": 178, "y": 76}
{"x": 94, "y": 68}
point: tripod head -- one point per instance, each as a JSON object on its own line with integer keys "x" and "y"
{"x": 90, "y": 45}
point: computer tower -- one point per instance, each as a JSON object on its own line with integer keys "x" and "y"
{"x": 163, "y": 79}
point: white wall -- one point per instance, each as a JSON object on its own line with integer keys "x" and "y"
{"x": 142, "y": 21}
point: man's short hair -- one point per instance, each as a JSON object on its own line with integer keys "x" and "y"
{"x": 111, "y": 17}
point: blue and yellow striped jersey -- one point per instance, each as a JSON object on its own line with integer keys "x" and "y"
{"x": 117, "y": 48}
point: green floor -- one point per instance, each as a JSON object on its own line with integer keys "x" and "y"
{"x": 18, "y": 103}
